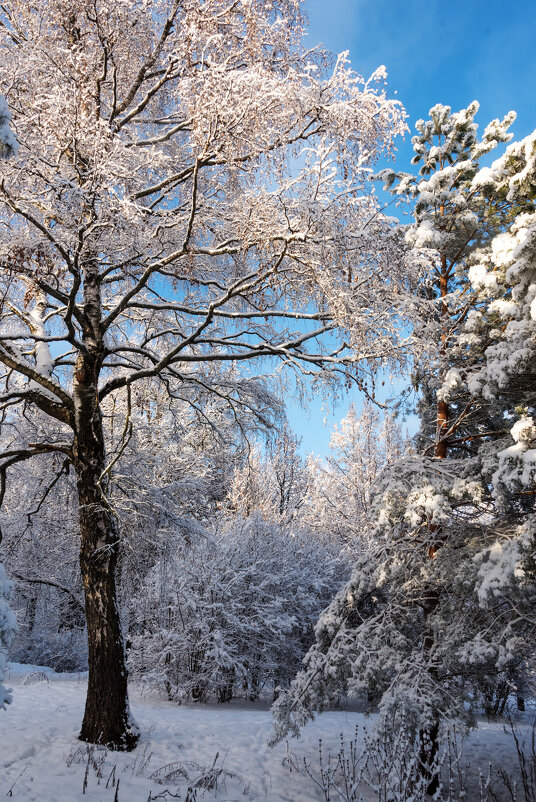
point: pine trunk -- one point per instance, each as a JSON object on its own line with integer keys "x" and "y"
{"x": 430, "y": 738}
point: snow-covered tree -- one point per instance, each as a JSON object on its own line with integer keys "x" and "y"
{"x": 152, "y": 229}
{"x": 274, "y": 482}
{"x": 176, "y": 466}
{"x": 503, "y": 274}
{"x": 341, "y": 487}
{"x": 455, "y": 212}
{"x": 436, "y": 613}
{"x": 288, "y": 474}
{"x": 8, "y": 141}
{"x": 8, "y": 624}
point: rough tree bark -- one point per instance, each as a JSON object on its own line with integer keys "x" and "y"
{"x": 109, "y": 723}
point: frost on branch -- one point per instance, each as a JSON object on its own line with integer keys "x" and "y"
{"x": 339, "y": 500}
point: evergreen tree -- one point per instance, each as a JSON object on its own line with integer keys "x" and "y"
{"x": 421, "y": 629}
{"x": 503, "y": 275}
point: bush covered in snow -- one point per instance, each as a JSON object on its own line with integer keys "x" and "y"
{"x": 232, "y": 612}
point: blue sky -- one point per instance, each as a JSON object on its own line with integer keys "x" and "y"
{"x": 448, "y": 52}
{"x": 435, "y": 52}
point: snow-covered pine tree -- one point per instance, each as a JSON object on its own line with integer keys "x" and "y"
{"x": 503, "y": 274}
{"x": 454, "y": 214}
{"x": 410, "y": 631}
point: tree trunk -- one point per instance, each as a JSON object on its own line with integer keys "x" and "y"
{"x": 428, "y": 757}
{"x": 107, "y": 718}
{"x": 430, "y": 738}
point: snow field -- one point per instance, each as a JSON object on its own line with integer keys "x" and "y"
{"x": 41, "y": 759}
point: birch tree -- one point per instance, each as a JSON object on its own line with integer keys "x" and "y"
{"x": 8, "y": 624}
{"x": 189, "y": 194}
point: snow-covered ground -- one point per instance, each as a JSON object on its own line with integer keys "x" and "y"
{"x": 41, "y": 758}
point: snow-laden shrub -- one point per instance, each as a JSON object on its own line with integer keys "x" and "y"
{"x": 65, "y": 650}
{"x": 8, "y": 627}
{"x": 232, "y": 612}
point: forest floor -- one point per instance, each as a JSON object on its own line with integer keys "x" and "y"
{"x": 220, "y": 752}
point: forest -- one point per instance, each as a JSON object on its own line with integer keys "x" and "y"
{"x": 202, "y": 220}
